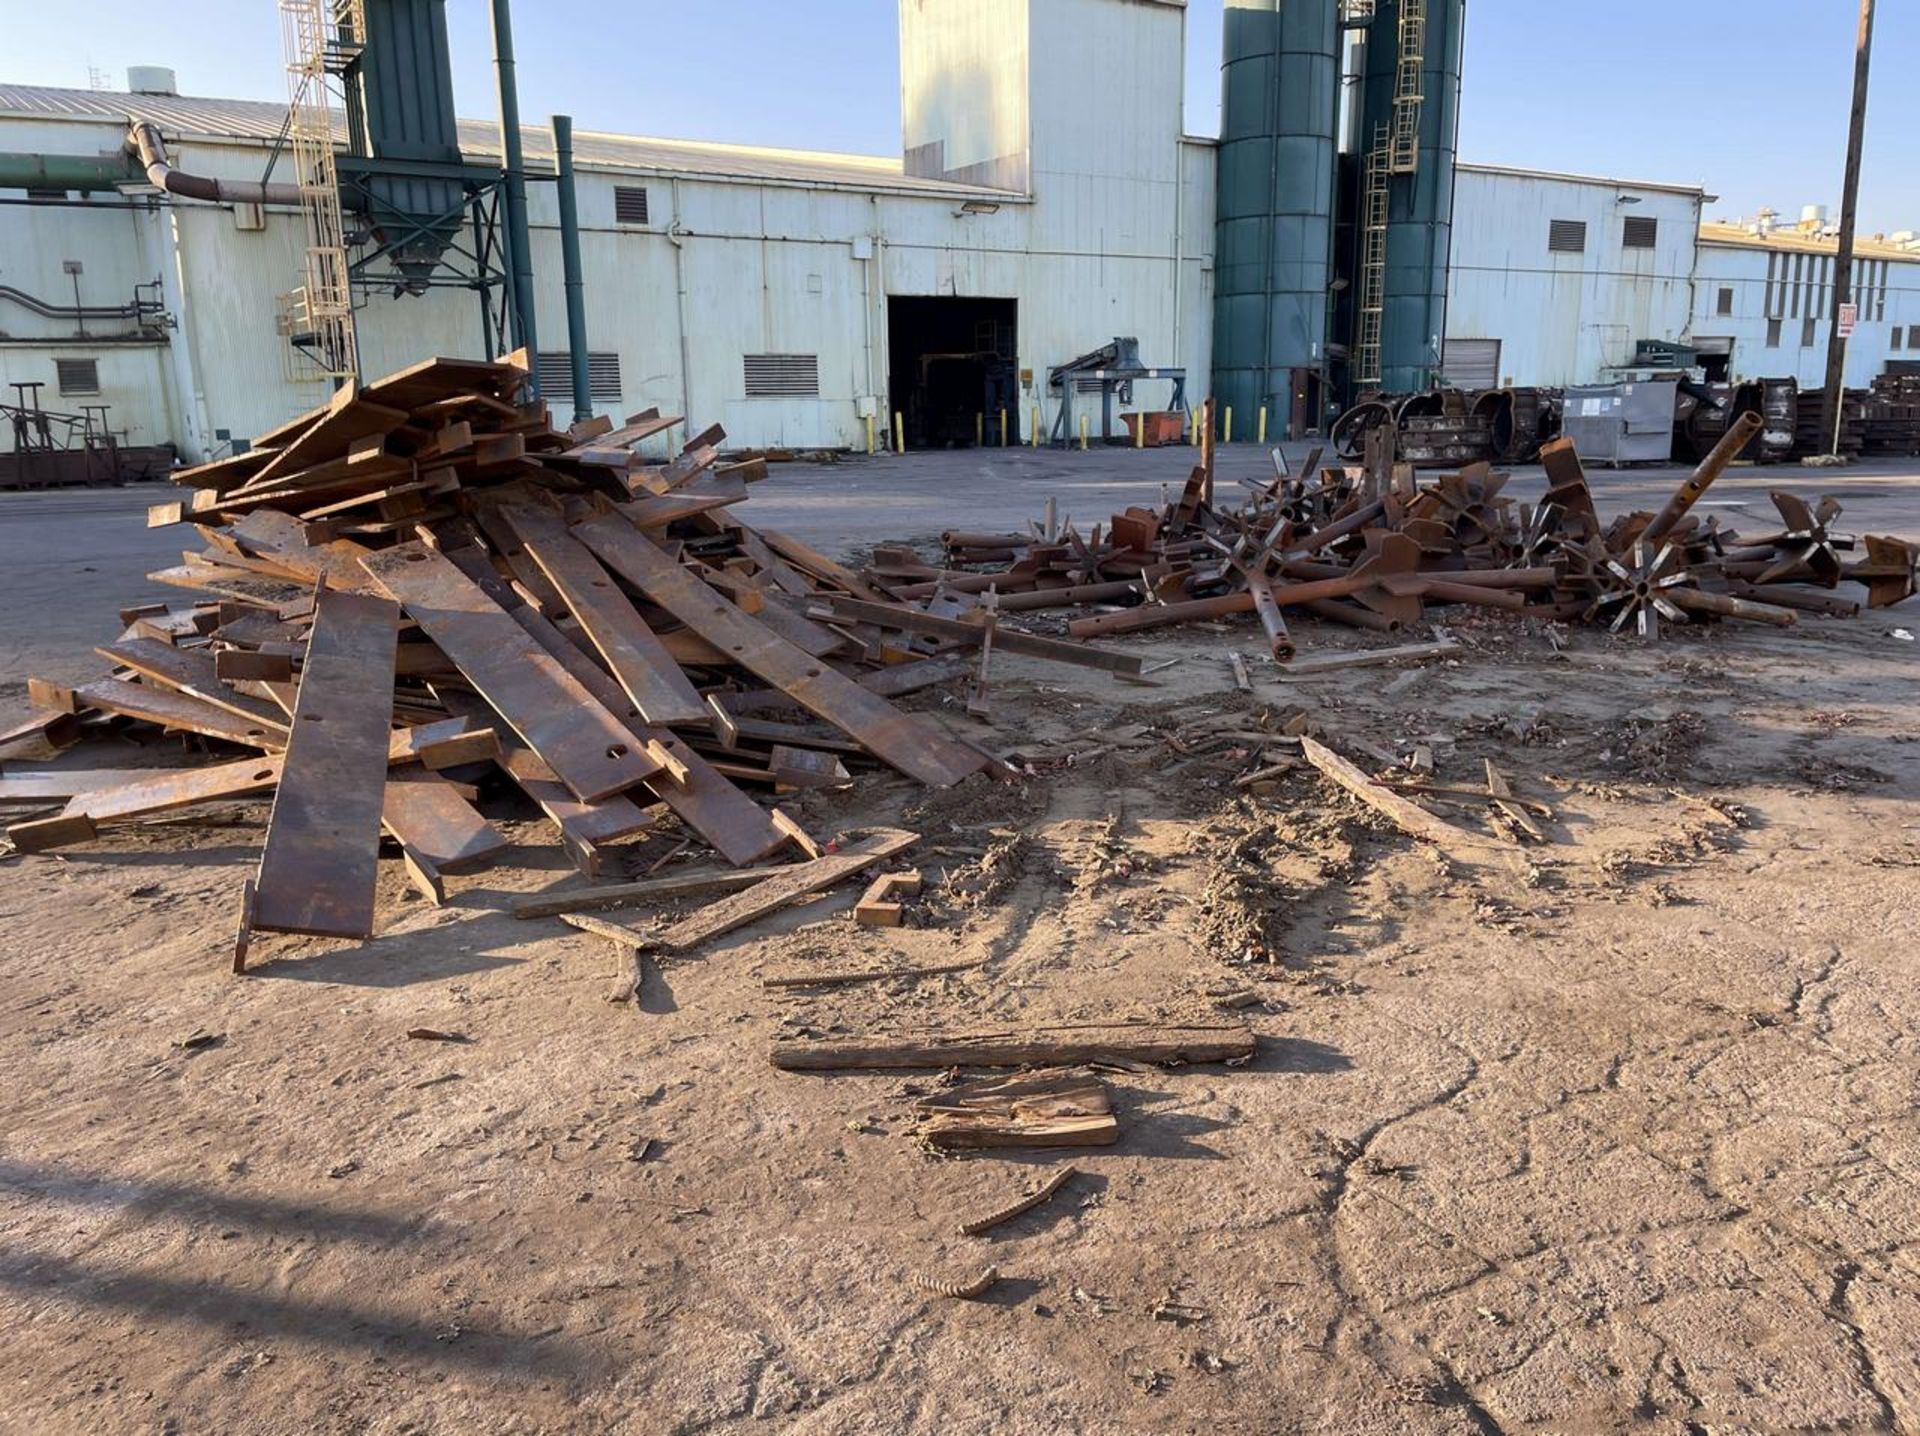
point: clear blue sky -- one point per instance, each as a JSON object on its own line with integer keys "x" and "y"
{"x": 1747, "y": 96}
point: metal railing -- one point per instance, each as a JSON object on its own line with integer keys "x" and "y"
{"x": 1408, "y": 87}
{"x": 1373, "y": 259}
{"x": 321, "y": 37}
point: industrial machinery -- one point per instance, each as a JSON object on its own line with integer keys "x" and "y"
{"x": 1111, "y": 370}
{"x": 53, "y": 450}
{"x": 396, "y": 209}
{"x": 1331, "y": 266}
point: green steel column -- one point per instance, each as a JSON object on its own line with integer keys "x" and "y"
{"x": 1420, "y": 205}
{"x": 514, "y": 166}
{"x": 1273, "y": 232}
{"x": 570, "y": 268}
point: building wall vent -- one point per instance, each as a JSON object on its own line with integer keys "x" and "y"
{"x": 77, "y": 376}
{"x": 556, "y": 374}
{"x": 1640, "y": 232}
{"x": 1567, "y": 236}
{"x": 630, "y": 204}
{"x": 782, "y": 376}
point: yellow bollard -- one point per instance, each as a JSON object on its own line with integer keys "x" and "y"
{"x": 1034, "y": 432}
{"x": 1140, "y": 431}
{"x": 899, "y": 433}
{"x": 979, "y": 431}
{"x": 1193, "y": 432}
{"x": 1003, "y": 428}
{"x": 1083, "y": 433}
{"x": 870, "y": 436}
{"x": 1263, "y": 423}
{"x": 1226, "y": 425}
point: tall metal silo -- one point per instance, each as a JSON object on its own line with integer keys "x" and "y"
{"x": 1273, "y": 237}
{"x": 1409, "y": 127}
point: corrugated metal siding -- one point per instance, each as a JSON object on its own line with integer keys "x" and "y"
{"x": 1561, "y": 317}
{"x": 480, "y": 139}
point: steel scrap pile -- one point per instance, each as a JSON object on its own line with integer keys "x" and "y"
{"x": 423, "y": 588}
{"x": 1373, "y": 547}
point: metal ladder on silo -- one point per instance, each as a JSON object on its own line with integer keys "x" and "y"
{"x": 1407, "y": 87}
{"x": 320, "y": 37}
{"x": 1373, "y": 258}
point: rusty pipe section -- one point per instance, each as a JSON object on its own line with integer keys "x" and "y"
{"x": 1721, "y": 605}
{"x": 1711, "y": 467}
{"x": 143, "y": 141}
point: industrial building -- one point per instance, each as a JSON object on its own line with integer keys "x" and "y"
{"x": 1326, "y": 243}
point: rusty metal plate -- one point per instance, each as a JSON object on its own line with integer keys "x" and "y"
{"x": 322, "y": 853}
{"x": 176, "y": 710}
{"x": 192, "y": 671}
{"x": 735, "y": 826}
{"x": 908, "y": 743}
{"x": 644, "y": 668}
{"x": 148, "y": 793}
{"x": 587, "y": 748}
{"x": 428, "y": 817}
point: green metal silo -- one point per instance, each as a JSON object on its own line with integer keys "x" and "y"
{"x": 1273, "y": 238}
{"x": 1408, "y": 131}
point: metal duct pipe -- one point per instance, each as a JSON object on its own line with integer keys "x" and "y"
{"x": 85, "y": 173}
{"x": 135, "y": 311}
{"x": 570, "y": 268}
{"x": 514, "y": 167}
{"x": 143, "y": 139}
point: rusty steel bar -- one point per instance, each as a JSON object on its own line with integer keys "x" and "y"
{"x": 1711, "y": 467}
{"x": 1722, "y": 605}
{"x": 1786, "y": 597}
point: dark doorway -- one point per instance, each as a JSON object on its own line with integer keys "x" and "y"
{"x": 953, "y": 368}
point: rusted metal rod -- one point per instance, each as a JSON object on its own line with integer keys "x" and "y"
{"x": 1723, "y": 605}
{"x": 1711, "y": 467}
{"x": 1796, "y": 598}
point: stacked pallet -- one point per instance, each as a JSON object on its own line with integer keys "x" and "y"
{"x": 423, "y": 587}
{"x": 1891, "y": 419}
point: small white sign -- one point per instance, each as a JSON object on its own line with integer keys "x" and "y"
{"x": 1849, "y": 317}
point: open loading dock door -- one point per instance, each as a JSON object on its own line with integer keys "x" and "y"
{"x": 952, "y": 368}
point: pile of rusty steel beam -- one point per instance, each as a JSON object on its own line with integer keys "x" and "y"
{"x": 423, "y": 588}
{"x": 1374, "y": 547}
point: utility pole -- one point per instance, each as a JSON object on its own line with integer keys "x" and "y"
{"x": 1830, "y": 406}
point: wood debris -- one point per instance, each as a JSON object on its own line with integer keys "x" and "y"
{"x": 1039, "y": 1109}
{"x": 1039, "y": 1046}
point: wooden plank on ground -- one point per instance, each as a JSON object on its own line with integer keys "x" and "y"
{"x": 318, "y": 868}
{"x": 643, "y": 667}
{"x": 585, "y": 746}
{"x": 1037, "y": 1046}
{"x": 905, "y": 741}
{"x": 1405, "y": 814}
{"x": 784, "y": 887}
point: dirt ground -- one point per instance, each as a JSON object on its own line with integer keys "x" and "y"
{"x": 1615, "y": 1132}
